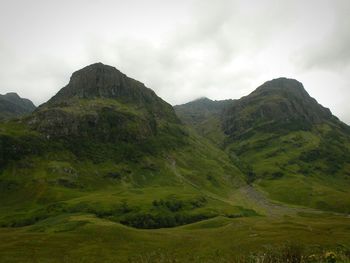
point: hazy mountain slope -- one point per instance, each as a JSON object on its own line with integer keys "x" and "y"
{"x": 197, "y": 111}
{"x": 11, "y": 105}
{"x": 204, "y": 115}
{"x": 289, "y": 145}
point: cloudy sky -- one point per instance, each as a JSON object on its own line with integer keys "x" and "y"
{"x": 182, "y": 49}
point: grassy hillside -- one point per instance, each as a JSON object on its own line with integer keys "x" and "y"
{"x": 57, "y": 205}
{"x": 85, "y": 238}
{"x": 309, "y": 168}
{"x": 43, "y": 178}
{"x": 288, "y": 146}
{"x": 106, "y": 172}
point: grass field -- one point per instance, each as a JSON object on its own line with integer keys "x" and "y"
{"x": 85, "y": 238}
{"x": 190, "y": 203}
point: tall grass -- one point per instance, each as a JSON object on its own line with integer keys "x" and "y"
{"x": 288, "y": 253}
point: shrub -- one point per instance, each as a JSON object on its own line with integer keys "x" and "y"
{"x": 148, "y": 220}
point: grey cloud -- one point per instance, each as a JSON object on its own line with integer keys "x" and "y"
{"x": 332, "y": 51}
{"x": 181, "y": 49}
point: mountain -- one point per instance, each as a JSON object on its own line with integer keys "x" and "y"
{"x": 199, "y": 110}
{"x": 105, "y": 171}
{"x": 204, "y": 115}
{"x": 108, "y": 146}
{"x": 12, "y": 105}
{"x": 276, "y": 103}
{"x": 101, "y": 102}
{"x": 288, "y": 145}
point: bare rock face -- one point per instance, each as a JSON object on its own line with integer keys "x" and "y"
{"x": 101, "y": 103}
{"x": 104, "y": 124}
{"x": 103, "y": 81}
{"x": 279, "y": 103}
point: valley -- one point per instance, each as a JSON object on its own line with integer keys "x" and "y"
{"x": 107, "y": 171}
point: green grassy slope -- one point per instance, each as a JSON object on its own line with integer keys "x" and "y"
{"x": 309, "y": 168}
{"x": 90, "y": 178}
{"x": 59, "y": 207}
{"x": 84, "y": 238}
{"x": 288, "y": 145}
{"x": 49, "y": 179}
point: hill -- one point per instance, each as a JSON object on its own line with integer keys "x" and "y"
{"x": 103, "y": 134}
{"x": 204, "y": 116}
{"x": 288, "y": 145}
{"x": 12, "y": 105}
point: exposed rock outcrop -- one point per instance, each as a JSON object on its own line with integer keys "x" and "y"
{"x": 102, "y": 103}
{"x": 278, "y": 102}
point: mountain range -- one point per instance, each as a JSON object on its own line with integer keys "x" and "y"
{"x": 105, "y": 158}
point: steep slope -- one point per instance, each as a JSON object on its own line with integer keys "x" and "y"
{"x": 289, "y": 145}
{"x": 84, "y": 170}
{"x": 204, "y": 115}
{"x": 103, "y": 103}
{"x": 12, "y": 105}
{"x": 197, "y": 111}
{"x": 277, "y": 103}
{"x": 106, "y": 145}
{"x": 297, "y": 150}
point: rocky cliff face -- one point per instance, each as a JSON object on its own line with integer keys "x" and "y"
{"x": 106, "y": 82}
{"x": 279, "y": 102}
{"x": 12, "y": 105}
{"x": 102, "y": 103}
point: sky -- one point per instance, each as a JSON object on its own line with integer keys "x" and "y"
{"x": 182, "y": 49}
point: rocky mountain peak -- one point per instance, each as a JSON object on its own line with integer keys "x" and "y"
{"x": 95, "y": 78}
{"x": 102, "y": 81}
{"x": 101, "y": 103}
{"x": 12, "y": 95}
{"x": 282, "y": 102}
{"x": 281, "y": 86}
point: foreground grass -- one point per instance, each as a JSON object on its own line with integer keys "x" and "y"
{"x": 85, "y": 238}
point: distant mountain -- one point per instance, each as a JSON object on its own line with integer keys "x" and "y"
{"x": 204, "y": 115}
{"x": 278, "y": 103}
{"x": 199, "y": 110}
{"x": 286, "y": 143}
{"x": 12, "y": 105}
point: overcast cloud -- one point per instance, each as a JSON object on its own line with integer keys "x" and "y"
{"x": 182, "y": 49}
